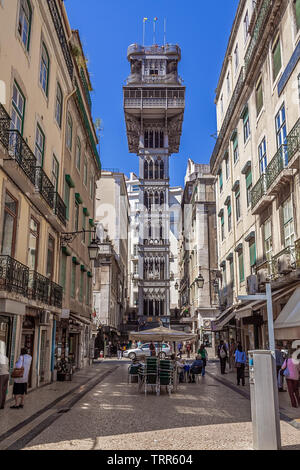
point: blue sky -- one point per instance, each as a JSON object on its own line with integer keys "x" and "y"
{"x": 200, "y": 27}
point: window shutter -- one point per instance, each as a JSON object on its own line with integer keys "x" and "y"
{"x": 249, "y": 179}
{"x": 229, "y": 209}
{"x": 259, "y": 97}
{"x": 281, "y": 222}
{"x": 297, "y": 11}
{"x": 241, "y": 266}
{"x": 252, "y": 249}
{"x": 276, "y": 58}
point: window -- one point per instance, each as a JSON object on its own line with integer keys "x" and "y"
{"x": 281, "y": 132}
{"x": 222, "y": 227}
{"x": 18, "y": 109}
{"x": 259, "y": 96}
{"x": 241, "y": 266}
{"x": 229, "y": 217}
{"x": 87, "y": 295}
{"x": 44, "y": 69}
{"x": 9, "y": 225}
{"x": 236, "y": 57}
{"x": 267, "y": 233}
{"x": 24, "y": 24}
{"x": 50, "y": 258}
{"x": 81, "y": 287}
{"x": 246, "y": 124}
{"x": 78, "y": 153}
{"x": 83, "y": 226}
{"x": 231, "y": 269}
{"x": 33, "y": 244}
{"x": 227, "y": 171}
{"x": 238, "y": 204}
{"x": 246, "y": 26}
{"x": 63, "y": 270}
{"x": 135, "y": 250}
{"x": 67, "y": 199}
{"x": 58, "y": 105}
{"x": 73, "y": 281}
{"x": 249, "y": 187}
{"x": 55, "y": 172}
{"x": 252, "y": 253}
{"x": 69, "y": 131}
{"x": 39, "y": 146}
{"x": 276, "y": 57}
{"x": 297, "y": 13}
{"x": 224, "y": 280}
{"x": 262, "y": 154}
{"x": 235, "y": 148}
{"x": 85, "y": 172}
{"x": 228, "y": 84}
{"x": 221, "y": 180}
{"x": 76, "y": 217}
{"x": 288, "y": 223}
{"x": 222, "y": 106}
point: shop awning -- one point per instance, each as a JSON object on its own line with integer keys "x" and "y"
{"x": 289, "y": 318}
{"x": 162, "y": 334}
{"x": 80, "y": 319}
{"x": 227, "y": 315}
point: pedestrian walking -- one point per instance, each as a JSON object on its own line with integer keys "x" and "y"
{"x": 179, "y": 347}
{"x": 204, "y": 356}
{"x": 4, "y": 374}
{"x": 232, "y": 349}
{"x": 290, "y": 369}
{"x": 279, "y": 362}
{"x": 152, "y": 349}
{"x": 119, "y": 351}
{"x": 223, "y": 355}
{"x": 20, "y": 384}
{"x": 240, "y": 363}
{"x": 188, "y": 349}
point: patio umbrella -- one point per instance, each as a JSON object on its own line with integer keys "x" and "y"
{"x": 162, "y": 334}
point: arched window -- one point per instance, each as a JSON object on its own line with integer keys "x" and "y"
{"x": 151, "y": 172}
{"x": 156, "y": 199}
{"x": 162, "y": 170}
{"x": 151, "y": 139}
{"x": 161, "y": 140}
{"x": 146, "y": 172}
{"x": 156, "y": 143}
{"x": 44, "y": 69}
{"x": 162, "y": 198}
{"x": 156, "y": 170}
{"x": 146, "y": 139}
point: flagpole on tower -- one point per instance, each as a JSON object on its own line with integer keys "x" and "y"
{"x": 154, "y": 30}
{"x": 165, "y": 30}
{"x": 144, "y": 22}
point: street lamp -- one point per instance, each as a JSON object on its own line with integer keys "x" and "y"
{"x": 93, "y": 250}
{"x": 176, "y": 286}
{"x": 200, "y": 281}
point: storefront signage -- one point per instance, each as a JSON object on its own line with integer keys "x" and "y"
{"x": 65, "y": 313}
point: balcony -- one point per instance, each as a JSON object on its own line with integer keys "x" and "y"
{"x": 13, "y": 275}
{"x": 259, "y": 198}
{"x": 56, "y": 18}
{"x": 59, "y": 216}
{"x": 278, "y": 173}
{"x": 56, "y": 295}
{"x": 45, "y": 188}
{"x": 146, "y": 103}
{"x": 20, "y": 158}
{"x": 38, "y": 287}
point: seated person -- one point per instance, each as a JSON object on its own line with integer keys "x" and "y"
{"x": 196, "y": 368}
{"x": 180, "y": 366}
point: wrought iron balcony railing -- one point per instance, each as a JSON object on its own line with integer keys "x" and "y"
{"x": 297, "y": 253}
{"x": 231, "y": 108}
{"x": 56, "y": 295}
{"x": 13, "y": 275}
{"x": 60, "y": 208}
{"x": 44, "y": 186}
{"x": 257, "y": 32}
{"x": 56, "y": 18}
{"x": 259, "y": 190}
{"x": 5, "y": 123}
{"x": 19, "y": 151}
{"x": 38, "y": 287}
{"x": 276, "y": 165}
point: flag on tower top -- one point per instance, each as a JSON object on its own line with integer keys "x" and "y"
{"x": 155, "y": 19}
{"x": 145, "y": 19}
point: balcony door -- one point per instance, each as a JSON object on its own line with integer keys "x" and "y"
{"x": 33, "y": 244}
{"x": 9, "y": 225}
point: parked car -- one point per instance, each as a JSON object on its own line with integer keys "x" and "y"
{"x": 162, "y": 350}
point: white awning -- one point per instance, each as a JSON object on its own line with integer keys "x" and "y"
{"x": 290, "y": 314}
{"x": 220, "y": 322}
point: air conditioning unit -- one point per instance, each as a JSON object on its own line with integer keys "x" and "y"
{"x": 252, "y": 284}
{"x": 284, "y": 264}
{"x": 262, "y": 277}
{"x": 44, "y": 318}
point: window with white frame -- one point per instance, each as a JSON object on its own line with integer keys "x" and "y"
{"x": 288, "y": 223}
{"x": 24, "y": 23}
{"x": 236, "y": 57}
{"x": 18, "y": 109}
{"x": 78, "y": 153}
{"x": 39, "y": 146}
{"x": 267, "y": 233}
{"x": 262, "y": 155}
{"x": 276, "y": 57}
{"x": 246, "y": 26}
{"x": 44, "y": 69}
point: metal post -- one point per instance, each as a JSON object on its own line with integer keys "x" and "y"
{"x": 270, "y": 318}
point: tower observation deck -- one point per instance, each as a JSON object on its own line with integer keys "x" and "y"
{"x": 154, "y": 103}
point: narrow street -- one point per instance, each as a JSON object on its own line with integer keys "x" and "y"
{"x": 99, "y": 410}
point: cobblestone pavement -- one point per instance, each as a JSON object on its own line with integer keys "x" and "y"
{"x": 113, "y": 415}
